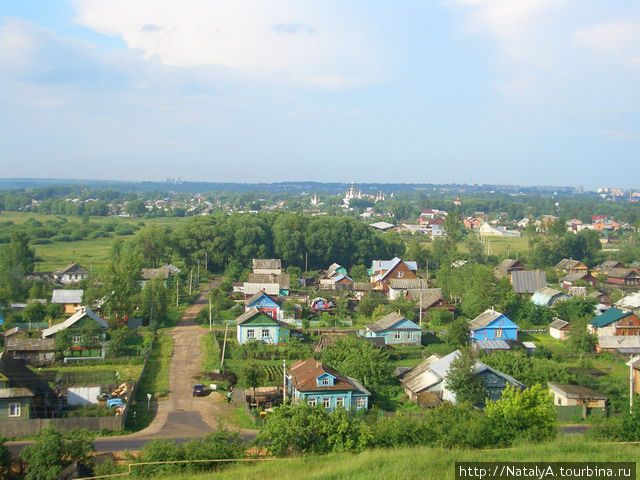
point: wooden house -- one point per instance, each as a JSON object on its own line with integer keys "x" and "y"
{"x": 630, "y": 302}
{"x": 166, "y": 272}
{"x": 399, "y": 287}
{"x": 573, "y": 278}
{"x": 492, "y": 325}
{"x": 431, "y": 376}
{"x": 32, "y": 351}
{"x": 78, "y": 325}
{"x": 256, "y": 326}
{"x": 396, "y": 330}
{"x": 429, "y": 299}
{"x": 72, "y": 273}
{"x": 69, "y": 299}
{"x": 383, "y": 271}
{"x": 606, "y": 266}
{"x": 568, "y": 265}
{"x": 507, "y": 266}
{"x": 623, "y": 277}
{"x": 615, "y": 322}
{"x": 267, "y": 266}
{"x": 573, "y": 400}
{"x": 264, "y": 303}
{"x": 317, "y": 384}
{"x": 23, "y": 393}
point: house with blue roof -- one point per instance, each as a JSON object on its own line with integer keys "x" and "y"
{"x": 396, "y": 330}
{"x": 256, "y": 326}
{"x": 265, "y": 304}
{"x": 317, "y": 384}
{"x": 492, "y": 325}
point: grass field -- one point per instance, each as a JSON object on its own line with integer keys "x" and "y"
{"x": 423, "y": 463}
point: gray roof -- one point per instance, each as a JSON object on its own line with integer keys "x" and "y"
{"x": 434, "y": 369}
{"x": 23, "y": 344}
{"x": 387, "y": 265}
{"x": 491, "y": 345}
{"x": 630, "y": 301}
{"x": 81, "y": 313}
{"x": 528, "y": 281}
{"x": 361, "y": 286}
{"x": 576, "y": 391}
{"x": 72, "y": 267}
{"x": 568, "y": 264}
{"x": 267, "y": 263}
{"x": 620, "y": 342}
{"x": 559, "y": 324}
{"x": 408, "y": 284}
{"x": 388, "y": 321}
{"x": 574, "y": 276}
{"x": 609, "y": 264}
{"x": 282, "y": 279}
{"x": 268, "y": 288}
{"x": 381, "y": 225}
{"x": 426, "y": 298}
{"x": 67, "y": 296}
{"x": 484, "y": 319}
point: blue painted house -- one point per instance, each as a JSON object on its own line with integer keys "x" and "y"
{"x": 317, "y": 384}
{"x": 492, "y": 325}
{"x": 396, "y": 330}
{"x": 265, "y": 304}
{"x": 254, "y": 325}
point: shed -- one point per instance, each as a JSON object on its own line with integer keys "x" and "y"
{"x": 546, "y": 297}
{"x": 69, "y": 299}
{"x": 574, "y": 400}
{"x": 559, "y": 329}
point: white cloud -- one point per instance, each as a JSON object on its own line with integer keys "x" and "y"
{"x": 306, "y": 41}
{"x": 620, "y": 39}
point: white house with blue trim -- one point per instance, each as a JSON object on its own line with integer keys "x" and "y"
{"x": 492, "y": 325}
{"x": 396, "y": 330}
{"x": 256, "y": 326}
{"x": 314, "y": 383}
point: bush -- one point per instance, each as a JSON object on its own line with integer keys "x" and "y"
{"x": 90, "y": 411}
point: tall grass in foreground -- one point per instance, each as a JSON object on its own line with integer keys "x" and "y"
{"x": 421, "y": 462}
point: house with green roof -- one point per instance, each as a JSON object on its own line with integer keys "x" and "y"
{"x": 615, "y": 322}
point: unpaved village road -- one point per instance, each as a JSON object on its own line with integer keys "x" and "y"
{"x": 181, "y": 416}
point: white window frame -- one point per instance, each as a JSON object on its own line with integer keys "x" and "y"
{"x": 340, "y": 402}
{"x": 325, "y": 382}
{"x": 361, "y": 402}
{"x": 397, "y": 335}
{"x": 498, "y": 333}
{"x": 16, "y": 408}
{"x": 400, "y": 274}
{"x": 76, "y": 339}
{"x": 326, "y": 402}
{"x": 251, "y": 333}
{"x": 266, "y": 333}
{"x": 312, "y": 402}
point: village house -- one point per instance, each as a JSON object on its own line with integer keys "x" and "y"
{"x": 72, "y": 273}
{"x": 316, "y": 384}
{"x": 399, "y": 287}
{"x": 256, "y": 326}
{"x": 526, "y": 282}
{"x": 630, "y": 302}
{"x": 426, "y": 383}
{"x": 487, "y": 230}
{"x": 166, "y": 272}
{"x": 574, "y": 400}
{"x": 429, "y": 299}
{"x": 623, "y": 277}
{"x": 507, "y": 266}
{"x": 546, "y": 297}
{"x": 31, "y": 351}
{"x": 84, "y": 319}
{"x": 473, "y": 222}
{"x": 634, "y": 364}
{"x": 601, "y": 297}
{"x": 267, "y": 266}
{"x": 568, "y": 265}
{"x": 624, "y": 344}
{"x": 395, "y": 329}
{"x": 615, "y": 322}
{"x": 265, "y": 304}
{"x": 492, "y": 325}
{"x": 69, "y": 299}
{"x": 383, "y": 271}
{"x": 339, "y": 282}
{"x": 559, "y": 329}
{"x": 606, "y": 266}
{"x": 572, "y": 278}
{"x": 23, "y": 393}
{"x": 271, "y": 283}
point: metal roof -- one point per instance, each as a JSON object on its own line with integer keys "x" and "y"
{"x": 491, "y": 344}
{"x": 388, "y": 321}
{"x": 528, "y": 281}
{"x": 545, "y": 296}
{"x": 576, "y": 391}
{"x": 67, "y": 296}
{"x": 267, "y": 263}
{"x": 610, "y": 316}
{"x": 630, "y": 301}
{"x": 484, "y": 319}
{"x": 619, "y": 342}
{"x": 79, "y": 315}
{"x": 408, "y": 284}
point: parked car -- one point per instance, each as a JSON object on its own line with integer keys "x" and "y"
{"x": 114, "y": 402}
{"x": 199, "y": 390}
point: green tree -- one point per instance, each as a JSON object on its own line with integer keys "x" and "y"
{"x": 53, "y": 451}
{"x": 580, "y": 340}
{"x": 463, "y": 380}
{"x": 33, "y": 312}
{"x": 117, "y": 344}
{"x": 358, "y": 273}
{"x": 5, "y": 458}
{"x": 522, "y": 414}
{"x": 252, "y": 375}
{"x": 16, "y": 261}
{"x": 155, "y": 301}
{"x": 458, "y": 333}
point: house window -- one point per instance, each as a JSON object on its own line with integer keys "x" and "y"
{"x": 397, "y": 335}
{"x": 265, "y": 333}
{"x": 325, "y": 381}
{"x": 412, "y": 336}
{"x": 76, "y": 339}
{"x": 400, "y": 274}
{"x": 326, "y": 402}
{"x": 340, "y": 402}
{"x": 361, "y": 402}
{"x": 15, "y": 410}
{"x": 312, "y": 402}
{"x": 499, "y": 333}
{"x": 251, "y": 333}
{"x": 559, "y": 401}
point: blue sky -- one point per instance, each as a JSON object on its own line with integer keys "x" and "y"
{"x": 475, "y": 91}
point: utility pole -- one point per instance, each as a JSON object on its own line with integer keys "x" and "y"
{"x": 420, "y": 321}
{"x": 177, "y": 290}
{"x": 632, "y": 359}
{"x": 306, "y": 259}
{"x": 190, "y": 280}
{"x": 209, "y": 312}
{"x": 284, "y": 380}
{"x": 206, "y": 261}
{"x": 224, "y": 343}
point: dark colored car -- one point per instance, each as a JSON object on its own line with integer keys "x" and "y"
{"x": 199, "y": 390}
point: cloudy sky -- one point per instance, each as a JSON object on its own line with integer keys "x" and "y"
{"x": 475, "y": 91}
